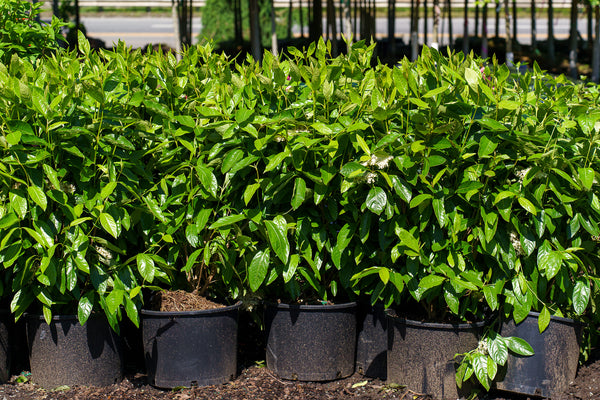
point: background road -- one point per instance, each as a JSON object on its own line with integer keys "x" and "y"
{"x": 141, "y": 31}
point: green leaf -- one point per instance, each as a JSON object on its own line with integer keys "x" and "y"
{"x": 18, "y": 203}
{"x": 527, "y": 205}
{"x": 108, "y": 223}
{"x": 419, "y": 199}
{"x": 83, "y": 44}
{"x": 509, "y": 105}
{"x": 480, "y": 367}
{"x": 108, "y": 189}
{"x": 249, "y": 192}
{"x": 343, "y": 240}
{"x": 543, "y": 319}
{"x": 439, "y": 209}
{"x": 581, "y": 295}
{"x": 472, "y": 77}
{"x": 146, "y": 267}
{"x": 486, "y": 146}
{"x": 227, "y": 220}
{"x": 498, "y": 350}
{"x": 322, "y": 128}
{"x": 586, "y": 175}
{"x": 154, "y": 208}
{"x": 299, "y": 194}
{"x": 114, "y": 300}
{"x": 277, "y": 234}
{"x": 549, "y": 261}
{"x": 407, "y": 239}
{"x": 257, "y": 271}
{"x": 276, "y": 160}
{"x": 363, "y": 145}
{"x": 208, "y": 180}
{"x": 431, "y": 281}
{"x": 52, "y": 176}
{"x": 519, "y": 346}
{"x": 85, "y": 306}
{"x": 376, "y": 200}
{"x": 38, "y": 196}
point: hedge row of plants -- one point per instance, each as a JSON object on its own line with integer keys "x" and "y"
{"x": 448, "y": 184}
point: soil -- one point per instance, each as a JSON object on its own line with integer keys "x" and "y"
{"x": 257, "y": 382}
{"x": 180, "y": 300}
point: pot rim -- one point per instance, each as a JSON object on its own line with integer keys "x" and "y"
{"x": 311, "y": 307}
{"x": 555, "y": 318}
{"x": 58, "y": 317}
{"x": 152, "y": 313}
{"x": 433, "y": 325}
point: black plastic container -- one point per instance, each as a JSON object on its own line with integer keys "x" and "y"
{"x": 421, "y": 355}
{"x": 371, "y": 343}
{"x": 311, "y": 342}
{"x": 5, "y": 345}
{"x": 553, "y": 366}
{"x": 67, "y": 353}
{"x": 190, "y": 348}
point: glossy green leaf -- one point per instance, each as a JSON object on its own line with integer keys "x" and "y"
{"x": 109, "y": 224}
{"x": 543, "y": 319}
{"x": 258, "y": 268}
{"x": 146, "y": 267}
{"x": 38, "y": 196}
{"x": 376, "y": 200}
{"x": 586, "y": 176}
{"x": 277, "y": 234}
{"x": 227, "y": 220}
{"x": 519, "y": 346}
{"x": 581, "y": 295}
{"x": 85, "y": 306}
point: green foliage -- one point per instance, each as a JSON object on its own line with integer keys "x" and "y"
{"x": 21, "y": 33}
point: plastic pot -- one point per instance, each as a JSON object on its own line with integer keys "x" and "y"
{"x": 5, "y": 353}
{"x": 421, "y": 355}
{"x": 190, "y": 348}
{"x": 67, "y": 353}
{"x": 371, "y": 343}
{"x": 553, "y": 366}
{"x": 311, "y": 342}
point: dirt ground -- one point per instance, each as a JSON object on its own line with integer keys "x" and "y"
{"x": 257, "y": 382}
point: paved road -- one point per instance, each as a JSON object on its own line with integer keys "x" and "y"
{"x": 140, "y": 31}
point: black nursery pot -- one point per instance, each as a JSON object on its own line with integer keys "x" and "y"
{"x": 311, "y": 342}
{"x": 67, "y": 353}
{"x": 190, "y": 348}
{"x": 5, "y": 345}
{"x": 421, "y": 355}
{"x": 554, "y": 364}
{"x": 371, "y": 343}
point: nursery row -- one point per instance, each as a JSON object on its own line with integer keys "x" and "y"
{"x": 449, "y": 189}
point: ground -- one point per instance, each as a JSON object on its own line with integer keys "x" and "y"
{"x": 257, "y": 382}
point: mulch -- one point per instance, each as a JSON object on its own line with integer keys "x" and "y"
{"x": 257, "y": 382}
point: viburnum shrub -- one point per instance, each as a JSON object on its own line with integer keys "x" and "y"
{"x": 21, "y": 32}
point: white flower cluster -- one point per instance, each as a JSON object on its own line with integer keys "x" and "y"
{"x": 380, "y": 162}
{"x": 279, "y": 138}
{"x": 482, "y": 347}
{"x": 370, "y": 177}
{"x": 516, "y": 243}
{"x": 521, "y": 174}
{"x": 67, "y": 187}
{"x": 106, "y": 255}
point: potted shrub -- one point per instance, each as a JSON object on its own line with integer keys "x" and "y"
{"x": 305, "y": 214}
{"x": 548, "y": 242}
{"x": 76, "y": 200}
{"x": 437, "y": 281}
{"x": 190, "y": 328}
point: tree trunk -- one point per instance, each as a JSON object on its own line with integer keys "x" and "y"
{"x": 510, "y": 57}
{"x": 254, "y": 30}
{"x": 425, "y": 22}
{"x": 466, "y": 29}
{"x": 450, "y": 26}
{"x": 331, "y": 19}
{"x": 514, "y": 21}
{"x": 414, "y": 34}
{"x": 476, "y": 19}
{"x": 533, "y": 28}
{"x": 176, "y": 30}
{"x": 596, "y": 53}
{"x": 347, "y": 25}
{"x": 436, "y": 24}
{"x": 484, "y": 32}
{"x": 573, "y": 41}
{"x": 497, "y": 26}
{"x": 316, "y": 30}
{"x": 274, "y": 44}
{"x": 551, "y": 45}
{"x": 392, "y": 28}
{"x": 237, "y": 12}
{"x": 590, "y": 26}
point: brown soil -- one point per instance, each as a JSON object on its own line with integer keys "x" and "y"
{"x": 259, "y": 383}
{"x": 180, "y": 300}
